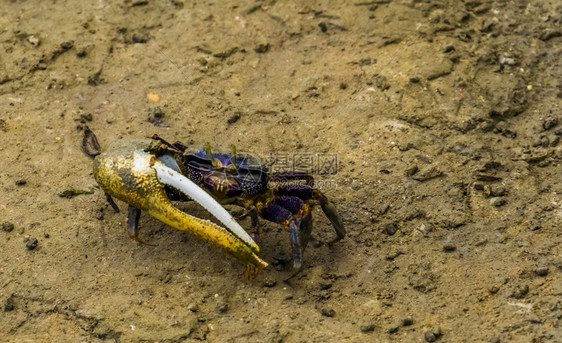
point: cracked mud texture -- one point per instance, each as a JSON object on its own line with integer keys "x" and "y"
{"x": 445, "y": 117}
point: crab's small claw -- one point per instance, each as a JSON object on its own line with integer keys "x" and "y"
{"x": 129, "y": 172}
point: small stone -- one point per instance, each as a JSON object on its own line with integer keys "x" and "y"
{"x": 542, "y": 140}
{"x": 542, "y": 271}
{"x": 520, "y": 292}
{"x": 493, "y": 289}
{"x": 139, "y": 39}
{"x": 9, "y": 305}
{"x": 494, "y": 340}
{"x": 7, "y": 226}
{"x": 407, "y": 321}
{"x": 367, "y": 328}
{"x": 21, "y": 182}
{"x": 429, "y": 336}
{"x": 32, "y": 243}
{"x": 414, "y": 79}
{"x": 328, "y": 312}
{"x": 323, "y": 27}
{"x": 495, "y": 191}
{"x": 193, "y": 307}
{"x": 269, "y": 282}
{"x": 262, "y": 48}
{"x": 504, "y": 59}
{"x": 433, "y": 334}
{"x": 393, "y": 328}
{"x": 390, "y": 229}
{"x": 233, "y": 118}
{"x": 67, "y": 45}
{"x": 549, "y": 123}
{"x": 448, "y": 247}
{"x": 157, "y": 112}
{"x": 222, "y": 307}
{"x": 34, "y": 41}
{"x": 411, "y": 171}
{"x": 324, "y": 285}
{"x": 448, "y": 48}
{"x": 497, "y": 201}
{"x": 381, "y": 82}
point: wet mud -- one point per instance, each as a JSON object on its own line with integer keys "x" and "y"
{"x": 444, "y": 118}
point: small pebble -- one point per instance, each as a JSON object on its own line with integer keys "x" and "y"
{"x": 67, "y": 45}
{"x": 328, "y": 312}
{"x": 21, "y": 182}
{"x": 222, "y": 307}
{"x": 139, "y": 39}
{"x": 497, "y": 202}
{"x": 157, "y": 112}
{"x": 448, "y": 247}
{"x": 233, "y": 118}
{"x": 262, "y": 48}
{"x": 494, "y": 340}
{"x": 549, "y": 123}
{"x": 479, "y": 186}
{"x": 32, "y": 243}
{"x": 367, "y": 328}
{"x": 193, "y": 307}
{"x": 9, "y": 305}
{"x": 495, "y": 191}
{"x": 34, "y": 41}
{"x": 412, "y": 170}
{"x": 7, "y": 226}
{"x": 429, "y": 336}
{"x": 520, "y": 292}
{"x": 390, "y": 229}
{"x": 542, "y": 271}
{"x": 393, "y": 328}
{"x": 407, "y": 321}
{"x": 433, "y": 334}
{"x": 414, "y": 79}
{"x": 269, "y": 282}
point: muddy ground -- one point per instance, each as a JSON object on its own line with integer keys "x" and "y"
{"x": 445, "y": 117}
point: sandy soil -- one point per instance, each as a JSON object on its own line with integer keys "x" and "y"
{"x": 445, "y": 117}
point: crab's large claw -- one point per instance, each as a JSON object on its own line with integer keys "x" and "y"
{"x": 129, "y": 171}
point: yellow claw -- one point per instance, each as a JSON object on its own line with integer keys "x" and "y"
{"x": 128, "y": 170}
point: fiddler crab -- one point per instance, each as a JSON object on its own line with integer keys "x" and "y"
{"x": 149, "y": 173}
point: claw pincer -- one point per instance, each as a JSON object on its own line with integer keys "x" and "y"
{"x": 138, "y": 172}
